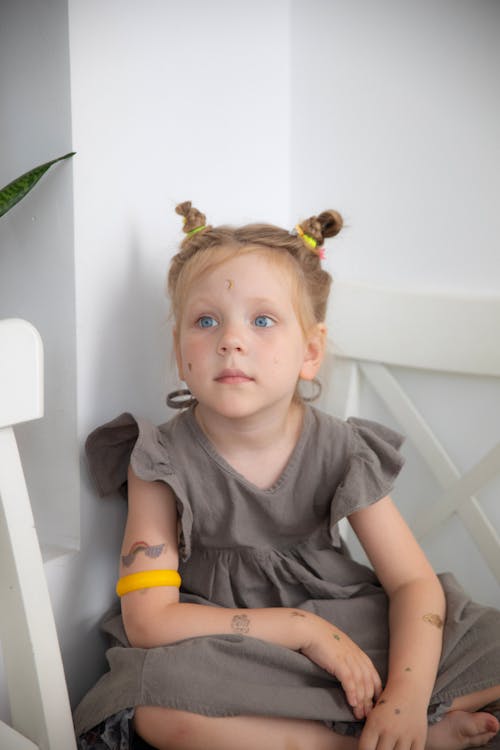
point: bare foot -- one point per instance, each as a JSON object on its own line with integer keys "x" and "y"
{"x": 459, "y": 730}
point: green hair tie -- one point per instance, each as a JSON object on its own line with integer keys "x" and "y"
{"x": 194, "y": 231}
{"x": 306, "y": 237}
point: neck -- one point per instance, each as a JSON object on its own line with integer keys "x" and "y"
{"x": 258, "y": 448}
{"x": 256, "y": 433}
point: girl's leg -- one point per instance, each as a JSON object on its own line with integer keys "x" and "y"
{"x": 475, "y": 701}
{"x": 169, "y": 729}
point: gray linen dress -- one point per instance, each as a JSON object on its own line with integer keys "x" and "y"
{"x": 246, "y": 547}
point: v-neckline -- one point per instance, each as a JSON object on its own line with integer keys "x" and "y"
{"x": 212, "y": 451}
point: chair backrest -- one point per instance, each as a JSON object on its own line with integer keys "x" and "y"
{"x": 39, "y": 704}
{"x": 377, "y": 330}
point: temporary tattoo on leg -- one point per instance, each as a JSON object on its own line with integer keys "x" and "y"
{"x": 433, "y": 620}
{"x": 297, "y": 614}
{"x": 240, "y": 624}
{"x": 149, "y": 550}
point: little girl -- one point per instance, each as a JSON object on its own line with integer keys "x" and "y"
{"x": 244, "y": 622}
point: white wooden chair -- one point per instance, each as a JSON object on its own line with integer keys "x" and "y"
{"x": 374, "y": 329}
{"x": 39, "y": 705}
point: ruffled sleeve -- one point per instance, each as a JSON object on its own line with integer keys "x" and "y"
{"x": 108, "y": 449}
{"x": 123, "y": 441}
{"x": 374, "y": 462}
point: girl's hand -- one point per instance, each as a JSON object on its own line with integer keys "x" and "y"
{"x": 395, "y": 721}
{"x": 335, "y": 652}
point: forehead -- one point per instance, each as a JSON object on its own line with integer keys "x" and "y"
{"x": 255, "y": 272}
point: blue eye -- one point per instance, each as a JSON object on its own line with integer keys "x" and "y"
{"x": 206, "y": 321}
{"x": 263, "y": 321}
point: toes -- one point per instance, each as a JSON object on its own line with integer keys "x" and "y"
{"x": 486, "y": 727}
{"x": 479, "y": 740}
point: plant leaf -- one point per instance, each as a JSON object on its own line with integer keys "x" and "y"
{"x": 17, "y": 189}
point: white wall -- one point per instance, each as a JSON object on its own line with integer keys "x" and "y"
{"x": 253, "y": 111}
{"x": 36, "y": 245}
{"x": 172, "y": 101}
{"x": 396, "y": 118}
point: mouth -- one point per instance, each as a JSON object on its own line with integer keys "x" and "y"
{"x": 232, "y": 377}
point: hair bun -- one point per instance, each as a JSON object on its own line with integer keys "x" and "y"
{"x": 327, "y": 224}
{"x": 331, "y": 223}
{"x": 193, "y": 219}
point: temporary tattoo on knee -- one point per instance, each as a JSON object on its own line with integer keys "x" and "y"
{"x": 148, "y": 549}
{"x": 433, "y": 620}
{"x": 240, "y": 624}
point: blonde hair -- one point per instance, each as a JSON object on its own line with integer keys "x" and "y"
{"x": 205, "y": 247}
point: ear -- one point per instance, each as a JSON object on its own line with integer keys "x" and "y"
{"x": 177, "y": 350}
{"x": 314, "y": 352}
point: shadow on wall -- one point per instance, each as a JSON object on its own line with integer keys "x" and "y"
{"x": 128, "y": 374}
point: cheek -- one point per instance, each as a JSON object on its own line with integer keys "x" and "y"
{"x": 193, "y": 354}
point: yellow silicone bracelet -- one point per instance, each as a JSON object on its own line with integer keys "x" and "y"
{"x": 147, "y": 579}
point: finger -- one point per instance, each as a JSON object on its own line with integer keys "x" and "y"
{"x": 374, "y": 678}
{"x": 378, "y": 686}
{"x": 368, "y": 686}
{"x": 347, "y": 679}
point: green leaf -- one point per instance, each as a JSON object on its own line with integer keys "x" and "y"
{"x": 17, "y": 189}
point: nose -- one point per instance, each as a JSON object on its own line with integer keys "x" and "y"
{"x": 231, "y": 340}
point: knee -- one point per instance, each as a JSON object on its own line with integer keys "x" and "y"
{"x": 165, "y": 728}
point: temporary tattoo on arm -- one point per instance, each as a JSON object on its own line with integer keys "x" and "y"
{"x": 433, "y": 620}
{"x": 149, "y": 550}
{"x": 240, "y": 624}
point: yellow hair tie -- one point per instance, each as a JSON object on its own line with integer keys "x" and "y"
{"x": 306, "y": 237}
{"x": 147, "y": 579}
{"x": 196, "y": 229}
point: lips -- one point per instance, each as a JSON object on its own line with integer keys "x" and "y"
{"x": 231, "y": 377}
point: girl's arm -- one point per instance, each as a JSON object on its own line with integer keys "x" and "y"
{"x": 154, "y": 616}
{"x": 416, "y": 619}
